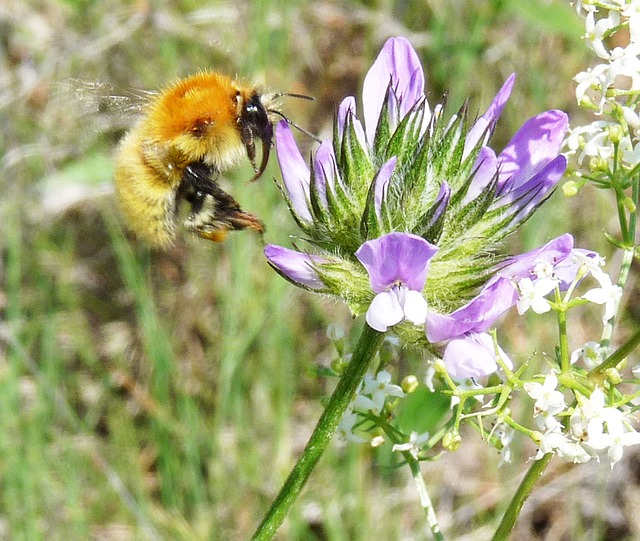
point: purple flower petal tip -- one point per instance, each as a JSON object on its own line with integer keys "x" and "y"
{"x": 478, "y": 315}
{"x": 398, "y": 65}
{"x": 295, "y": 266}
{"x": 295, "y": 172}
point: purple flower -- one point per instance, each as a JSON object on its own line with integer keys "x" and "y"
{"x": 417, "y": 182}
{"x": 485, "y": 125}
{"x": 295, "y": 266}
{"x": 397, "y": 68}
{"x": 522, "y": 266}
{"x": 478, "y": 315}
{"x": 397, "y": 264}
{"x": 295, "y": 172}
{"x": 472, "y": 355}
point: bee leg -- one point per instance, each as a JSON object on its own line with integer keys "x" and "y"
{"x": 213, "y": 211}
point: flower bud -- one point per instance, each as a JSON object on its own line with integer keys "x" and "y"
{"x": 597, "y": 163}
{"x": 616, "y": 133}
{"x": 570, "y": 188}
{"x": 451, "y": 441}
{"x": 409, "y": 384}
{"x": 629, "y": 205}
{"x": 613, "y": 376}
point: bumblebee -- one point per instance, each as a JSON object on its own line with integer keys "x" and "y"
{"x": 188, "y": 134}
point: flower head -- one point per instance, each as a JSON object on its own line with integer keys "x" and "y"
{"x": 403, "y": 208}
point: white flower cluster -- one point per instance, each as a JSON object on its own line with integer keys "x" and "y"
{"x": 546, "y": 278}
{"x": 371, "y": 397}
{"x": 611, "y": 88}
{"x": 593, "y": 427}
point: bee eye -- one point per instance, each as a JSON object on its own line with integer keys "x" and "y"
{"x": 255, "y": 118}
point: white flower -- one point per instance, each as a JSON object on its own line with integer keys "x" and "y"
{"x": 532, "y": 295}
{"x": 590, "y": 353}
{"x": 548, "y": 398}
{"x": 625, "y": 62}
{"x": 607, "y": 294}
{"x": 505, "y": 435}
{"x": 377, "y": 441}
{"x": 632, "y": 157}
{"x": 543, "y": 269}
{"x": 413, "y": 445}
{"x": 597, "y": 78}
{"x": 374, "y": 391}
{"x": 556, "y": 442}
{"x": 346, "y": 426}
{"x": 598, "y": 417}
{"x": 596, "y": 30}
{"x": 632, "y": 12}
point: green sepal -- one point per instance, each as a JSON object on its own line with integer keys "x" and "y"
{"x": 354, "y": 164}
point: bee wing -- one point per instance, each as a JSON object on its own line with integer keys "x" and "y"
{"x": 109, "y": 105}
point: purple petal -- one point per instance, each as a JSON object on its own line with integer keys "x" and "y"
{"x": 441, "y": 203}
{"x": 526, "y": 197}
{"x": 296, "y": 266}
{"x": 471, "y": 356}
{"x": 397, "y": 257}
{"x": 534, "y": 146}
{"x": 399, "y": 65}
{"x": 347, "y": 107}
{"x": 477, "y": 315}
{"x": 347, "y": 111}
{"x": 485, "y": 171}
{"x": 325, "y": 169}
{"x": 521, "y": 266}
{"x": 381, "y": 184}
{"x": 295, "y": 172}
{"x": 486, "y": 123}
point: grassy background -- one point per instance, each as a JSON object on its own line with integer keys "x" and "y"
{"x": 166, "y": 395}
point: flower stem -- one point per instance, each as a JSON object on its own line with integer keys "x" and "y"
{"x": 364, "y": 352}
{"x": 524, "y": 490}
{"x": 607, "y": 333}
{"x": 425, "y": 500}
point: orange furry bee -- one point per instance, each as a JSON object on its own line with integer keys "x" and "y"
{"x": 190, "y": 132}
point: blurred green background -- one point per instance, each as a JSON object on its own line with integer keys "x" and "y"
{"x": 149, "y": 395}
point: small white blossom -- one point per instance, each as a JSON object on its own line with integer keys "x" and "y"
{"x": 556, "y": 442}
{"x": 590, "y": 353}
{"x": 415, "y": 443}
{"x": 599, "y": 417}
{"x": 607, "y": 294}
{"x": 377, "y": 441}
{"x": 374, "y": 392}
{"x": 549, "y": 401}
{"x": 532, "y": 295}
{"x": 346, "y": 427}
{"x": 543, "y": 269}
{"x": 632, "y": 12}
{"x": 596, "y": 30}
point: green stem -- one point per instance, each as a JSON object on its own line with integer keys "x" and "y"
{"x": 364, "y": 352}
{"x": 524, "y": 490}
{"x": 425, "y": 500}
{"x": 565, "y": 363}
{"x": 617, "y": 356}
{"x": 607, "y": 333}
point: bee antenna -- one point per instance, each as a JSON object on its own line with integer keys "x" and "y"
{"x": 294, "y": 125}
{"x": 292, "y": 95}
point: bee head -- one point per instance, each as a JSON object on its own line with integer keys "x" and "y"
{"x": 255, "y": 124}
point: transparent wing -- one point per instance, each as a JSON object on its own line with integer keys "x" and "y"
{"x": 109, "y": 106}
